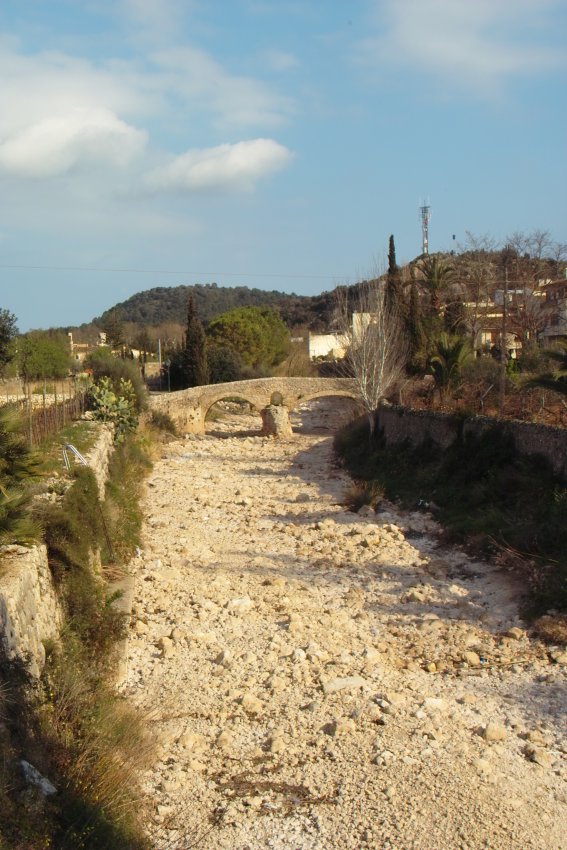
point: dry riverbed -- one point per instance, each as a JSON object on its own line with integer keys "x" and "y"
{"x": 320, "y": 679}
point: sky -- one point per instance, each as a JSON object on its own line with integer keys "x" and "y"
{"x": 269, "y": 143}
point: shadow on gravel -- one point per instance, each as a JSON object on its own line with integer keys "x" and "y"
{"x": 230, "y": 435}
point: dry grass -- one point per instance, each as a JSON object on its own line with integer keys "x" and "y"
{"x": 552, "y": 628}
{"x": 361, "y": 493}
{"x": 98, "y": 746}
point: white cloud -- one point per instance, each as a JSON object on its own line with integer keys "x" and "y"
{"x": 58, "y": 111}
{"x": 61, "y": 114}
{"x": 280, "y": 60}
{"x": 55, "y": 145}
{"x": 479, "y": 43}
{"x": 153, "y": 20}
{"x": 197, "y": 78}
{"x": 38, "y": 86}
{"x": 225, "y": 167}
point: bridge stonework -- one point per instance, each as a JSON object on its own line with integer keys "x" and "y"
{"x": 188, "y": 408}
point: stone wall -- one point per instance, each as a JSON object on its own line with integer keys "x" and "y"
{"x": 30, "y": 612}
{"x": 399, "y": 424}
{"x": 98, "y": 458}
{"x": 29, "y": 609}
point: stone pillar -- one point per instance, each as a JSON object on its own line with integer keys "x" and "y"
{"x": 275, "y": 421}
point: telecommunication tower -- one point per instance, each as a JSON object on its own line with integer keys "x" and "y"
{"x": 425, "y": 215}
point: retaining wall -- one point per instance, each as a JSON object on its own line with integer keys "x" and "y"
{"x": 399, "y": 424}
{"x": 30, "y": 612}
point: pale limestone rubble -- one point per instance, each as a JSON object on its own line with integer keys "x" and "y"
{"x": 322, "y": 679}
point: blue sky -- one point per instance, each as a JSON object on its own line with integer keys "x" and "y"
{"x": 274, "y": 143}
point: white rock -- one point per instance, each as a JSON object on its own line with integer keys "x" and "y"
{"x": 224, "y": 658}
{"x": 340, "y": 726}
{"x": 34, "y": 777}
{"x": 348, "y": 683}
{"x": 251, "y": 704}
{"x": 277, "y": 744}
{"x": 432, "y": 704}
{"x": 192, "y": 741}
{"x": 239, "y": 606}
{"x": 538, "y": 755}
{"x": 225, "y": 740}
{"x": 494, "y": 732}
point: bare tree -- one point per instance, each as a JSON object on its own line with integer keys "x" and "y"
{"x": 479, "y": 279}
{"x": 375, "y": 342}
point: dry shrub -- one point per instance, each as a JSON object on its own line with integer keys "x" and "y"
{"x": 552, "y": 628}
{"x": 361, "y": 493}
{"x": 99, "y": 745}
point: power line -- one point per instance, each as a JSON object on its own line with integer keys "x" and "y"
{"x": 294, "y": 276}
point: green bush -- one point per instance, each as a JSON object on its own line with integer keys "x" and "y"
{"x": 116, "y": 405}
{"x": 18, "y": 467}
{"x": 486, "y": 495}
{"x": 104, "y": 365}
{"x": 74, "y": 527}
{"x": 225, "y": 364}
{"x": 129, "y": 464}
{"x": 163, "y": 422}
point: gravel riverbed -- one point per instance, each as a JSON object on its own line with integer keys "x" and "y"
{"x": 321, "y": 679}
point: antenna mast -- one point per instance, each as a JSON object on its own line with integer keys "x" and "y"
{"x": 425, "y": 213}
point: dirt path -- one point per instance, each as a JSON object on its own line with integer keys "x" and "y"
{"x": 321, "y": 679}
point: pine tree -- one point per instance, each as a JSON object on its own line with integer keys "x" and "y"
{"x": 195, "y": 369}
{"x": 395, "y": 303}
{"x": 113, "y": 328}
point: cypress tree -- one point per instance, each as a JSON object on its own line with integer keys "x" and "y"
{"x": 392, "y": 264}
{"x": 195, "y": 369}
{"x": 395, "y": 303}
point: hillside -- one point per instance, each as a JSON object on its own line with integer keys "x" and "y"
{"x": 472, "y": 274}
{"x": 168, "y": 304}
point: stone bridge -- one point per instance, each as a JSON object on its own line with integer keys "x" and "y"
{"x": 188, "y": 408}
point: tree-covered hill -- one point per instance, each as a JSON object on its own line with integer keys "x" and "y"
{"x": 169, "y": 304}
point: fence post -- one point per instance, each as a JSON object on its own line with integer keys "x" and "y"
{"x": 30, "y": 424}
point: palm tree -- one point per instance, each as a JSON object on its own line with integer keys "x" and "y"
{"x": 451, "y": 355}
{"x": 437, "y": 275}
{"x": 556, "y": 380}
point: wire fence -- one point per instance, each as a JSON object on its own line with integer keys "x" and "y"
{"x": 47, "y": 414}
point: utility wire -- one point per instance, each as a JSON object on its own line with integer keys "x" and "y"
{"x": 166, "y": 271}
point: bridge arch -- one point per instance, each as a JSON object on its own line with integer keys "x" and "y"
{"x": 227, "y": 396}
{"x": 330, "y": 393}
